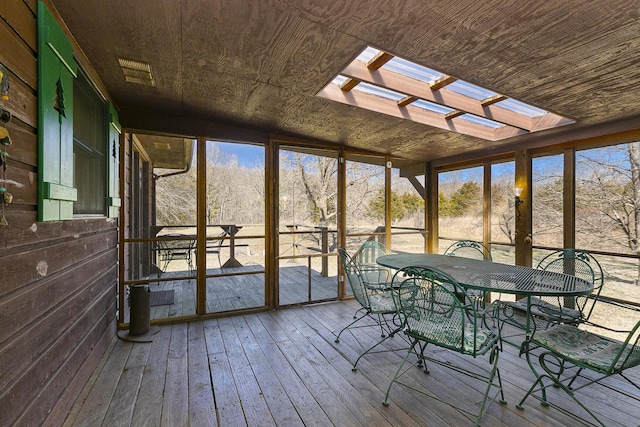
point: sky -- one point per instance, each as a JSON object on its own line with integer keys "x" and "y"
{"x": 248, "y": 155}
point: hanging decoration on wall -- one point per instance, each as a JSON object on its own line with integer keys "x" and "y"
{"x": 5, "y": 140}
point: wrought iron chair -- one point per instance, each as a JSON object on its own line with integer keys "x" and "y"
{"x": 432, "y": 313}
{"x": 373, "y": 274}
{"x": 569, "y": 350}
{"x": 169, "y": 250}
{"x": 547, "y": 311}
{"x": 214, "y": 246}
{"x": 376, "y": 304}
{"x": 474, "y": 250}
{"x": 469, "y": 249}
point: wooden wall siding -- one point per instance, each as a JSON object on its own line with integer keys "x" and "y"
{"x": 57, "y": 280}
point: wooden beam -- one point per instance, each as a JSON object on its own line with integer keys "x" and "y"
{"x": 135, "y": 121}
{"x": 453, "y": 114}
{"x": 406, "y": 100}
{"x": 492, "y": 100}
{"x": 441, "y": 82}
{"x": 349, "y": 84}
{"x": 418, "y": 115}
{"x": 406, "y": 85}
{"x": 379, "y": 60}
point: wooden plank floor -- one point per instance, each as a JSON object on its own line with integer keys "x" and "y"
{"x": 241, "y": 291}
{"x": 283, "y": 368}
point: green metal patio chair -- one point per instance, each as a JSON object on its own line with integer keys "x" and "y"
{"x": 474, "y": 250}
{"x": 569, "y": 350}
{"x": 469, "y": 249}
{"x": 548, "y": 311}
{"x": 377, "y": 304}
{"x": 433, "y": 313}
{"x": 373, "y": 274}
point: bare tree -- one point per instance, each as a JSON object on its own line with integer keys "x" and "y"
{"x": 175, "y": 197}
{"x": 608, "y": 198}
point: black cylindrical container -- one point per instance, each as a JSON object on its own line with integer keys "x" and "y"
{"x": 140, "y": 307}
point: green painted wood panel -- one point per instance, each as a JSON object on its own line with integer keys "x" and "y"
{"x": 56, "y": 71}
{"x": 113, "y": 160}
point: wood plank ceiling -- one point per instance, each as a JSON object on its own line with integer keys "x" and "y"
{"x": 259, "y": 65}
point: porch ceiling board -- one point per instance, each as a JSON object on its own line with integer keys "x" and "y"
{"x": 259, "y": 65}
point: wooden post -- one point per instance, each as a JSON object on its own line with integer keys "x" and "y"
{"x": 325, "y": 249}
{"x": 431, "y": 209}
{"x": 524, "y": 228}
{"x": 272, "y": 224}
{"x": 341, "y": 218}
{"x": 568, "y": 194}
{"x": 387, "y": 201}
{"x": 486, "y": 201}
{"x": 201, "y": 242}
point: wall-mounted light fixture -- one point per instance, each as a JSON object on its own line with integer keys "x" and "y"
{"x": 517, "y": 201}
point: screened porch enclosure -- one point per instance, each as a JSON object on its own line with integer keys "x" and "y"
{"x": 201, "y": 219}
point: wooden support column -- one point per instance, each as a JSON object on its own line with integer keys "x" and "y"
{"x": 486, "y": 201}
{"x": 387, "y": 201}
{"x": 524, "y": 225}
{"x": 201, "y": 243}
{"x": 568, "y": 199}
{"x": 431, "y": 209}
{"x": 341, "y": 218}
{"x": 272, "y": 223}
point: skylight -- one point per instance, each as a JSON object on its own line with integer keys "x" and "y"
{"x": 379, "y": 91}
{"x": 387, "y": 84}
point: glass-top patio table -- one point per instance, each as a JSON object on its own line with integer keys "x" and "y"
{"x": 490, "y": 276}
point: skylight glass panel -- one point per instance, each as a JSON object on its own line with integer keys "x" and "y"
{"x": 411, "y": 69}
{"x": 367, "y": 54}
{"x": 339, "y": 80}
{"x": 430, "y": 106}
{"x": 480, "y": 121}
{"x": 470, "y": 90}
{"x": 490, "y": 115}
{"x": 379, "y": 91}
{"x": 521, "y": 108}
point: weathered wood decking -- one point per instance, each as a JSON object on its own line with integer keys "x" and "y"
{"x": 283, "y": 368}
{"x": 242, "y": 291}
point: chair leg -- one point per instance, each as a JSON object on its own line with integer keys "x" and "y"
{"x": 495, "y": 372}
{"x": 398, "y": 372}
{"x": 350, "y": 324}
{"x": 390, "y": 335}
{"x": 381, "y": 321}
{"x": 554, "y": 376}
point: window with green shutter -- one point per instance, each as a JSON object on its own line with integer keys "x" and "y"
{"x": 78, "y": 134}
{"x": 57, "y": 70}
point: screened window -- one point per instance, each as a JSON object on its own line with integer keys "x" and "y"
{"x": 89, "y": 148}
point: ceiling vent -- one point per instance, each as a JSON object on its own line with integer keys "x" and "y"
{"x": 136, "y": 72}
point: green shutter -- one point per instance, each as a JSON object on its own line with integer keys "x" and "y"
{"x": 56, "y": 71}
{"x": 113, "y": 159}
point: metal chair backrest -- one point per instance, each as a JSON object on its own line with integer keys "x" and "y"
{"x": 580, "y": 264}
{"x": 373, "y": 274}
{"x": 432, "y": 306}
{"x": 592, "y": 349}
{"x": 354, "y": 277}
{"x": 369, "y": 251}
{"x": 469, "y": 249}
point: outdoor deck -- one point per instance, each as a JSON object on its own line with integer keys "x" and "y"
{"x": 283, "y": 368}
{"x": 245, "y": 290}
